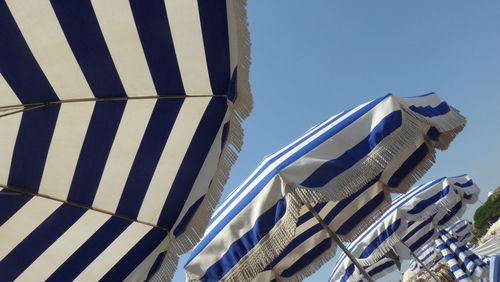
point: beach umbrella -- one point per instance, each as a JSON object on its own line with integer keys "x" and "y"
{"x": 120, "y": 121}
{"x": 387, "y": 143}
{"x": 465, "y": 264}
{"x": 410, "y": 222}
{"x": 450, "y": 248}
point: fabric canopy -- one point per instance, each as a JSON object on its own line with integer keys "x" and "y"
{"x": 431, "y": 256}
{"x": 120, "y": 121}
{"x": 410, "y": 222}
{"x": 489, "y": 248}
{"x": 378, "y": 147}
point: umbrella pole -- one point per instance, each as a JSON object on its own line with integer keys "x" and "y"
{"x": 421, "y": 263}
{"x": 335, "y": 238}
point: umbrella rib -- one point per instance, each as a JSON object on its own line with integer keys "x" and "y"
{"x": 32, "y": 106}
{"x": 22, "y": 192}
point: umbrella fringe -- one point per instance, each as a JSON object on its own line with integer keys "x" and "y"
{"x": 370, "y": 166}
{"x": 199, "y": 222}
{"x": 269, "y": 246}
{"x": 444, "y": 203}
{"x": 390, "y": 147}
{"x": 240, "y": 110}
{"x": 384, "y": 247}
{"x": 244, "y": 102}
{"x": 167, "y": 269}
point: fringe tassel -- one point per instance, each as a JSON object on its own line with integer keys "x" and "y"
{"x": 448, "y": 125}
{"x": 244, "y": 103}
{"x": 238, "y": 112}
{"x": 270, "y": 246}
{"x": 384, "y": 247}
{"x": 445, "y": 203}
{"x": 167, "y": 269}
{"x": 199, "y": 222}
{"x": 369, "y": 167}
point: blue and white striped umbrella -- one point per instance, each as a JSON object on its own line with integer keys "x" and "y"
{"x": 378, "y": 147}
{"x": 465, "y": 265}
{"x": 450, "y": 247}
{"x": 412, "y": 219}
{"x": 120, "y": 122}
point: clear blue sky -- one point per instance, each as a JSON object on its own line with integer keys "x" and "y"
{"x": 313, "y": 59}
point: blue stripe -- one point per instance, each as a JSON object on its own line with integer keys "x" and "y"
{"x": 32, "y": 146}
{"x": 191, "y": 165}
{"x": 96, "y": 147}
{"x": 467, "y": 196}
{"x": 332, "y": 168}
{"x": 422, "y": 240}
{"x": 156, "y": 265}
{"x": 10, "y": 204}
{"x": 419, "y": 227}
{"x": 307, "y": 258}
{"x": 17, "y": 64}
{"x": 381, "y": 268}
{"x": 398, "y": 202}
{"x": 213, "y": 19}
{"x": 380, "y": 238}
{"x": 259, "y": 186}
{"x": 150, "y": 150}
{"x": 433, "y": 133}
{"x": 81, "y": 29}
{"x": 26, "y": 252}
{"x": 299, "y": 239}
{"x": 135, "y": 256}
{"x": 461, "y": 228}
{"x": 408, "y": 166}
{"x": 361, "y": 214}
{"x": 310, "y": 146}
{"x": 429, "y": 111}
{"x": 181, "y": 227}
{"x": 425, "y": 203}
{"x": 90, "y": 250}
{"x": 464, "y": 185}
{"x": 154, "y": 32}
{"x": 453, "y": 211}
{"x": 242, "y": 246}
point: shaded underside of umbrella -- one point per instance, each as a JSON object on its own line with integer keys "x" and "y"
{"x": 120, "y": 121}
{"x": 410, "y": 223}
{"x": 364, "y": 153}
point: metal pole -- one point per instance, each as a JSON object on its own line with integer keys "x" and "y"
{"x": 339, "y": 243}
{"x": 421, "y": 263}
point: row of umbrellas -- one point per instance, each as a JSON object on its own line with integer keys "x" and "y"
{"x": 121, "y": 120}
{"x": 450, "y": 248}
{"x": 285, "y": 220}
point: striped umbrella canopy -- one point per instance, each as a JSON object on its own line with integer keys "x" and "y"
{"x": 409, "y": 224}
{"x": 120, "y": 121}
{"x": 464, "y": 263}
{"x": 359, "y": 156}
{"x": 452, "y": 238}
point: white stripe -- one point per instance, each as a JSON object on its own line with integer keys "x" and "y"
{"x": 206, "y": 174}
{"x": 53, "y": 257}
{"x": 45, "y": 38}
{"x": 185, "y": 126}
{"x": 120, "y": 33}
{"x": 295, "y": 174}
{"x": 356, "y": 204}
{"x": 185, "y": 26}
{"x": 114, "y": 252}
{"x": 65, "y": 147}
{"x": 121, "y": 157}
{"x": 10, "y": 127}
{"x": 24, "y": 221}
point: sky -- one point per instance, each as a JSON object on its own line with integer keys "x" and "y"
{"x": 313, "y": 59}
